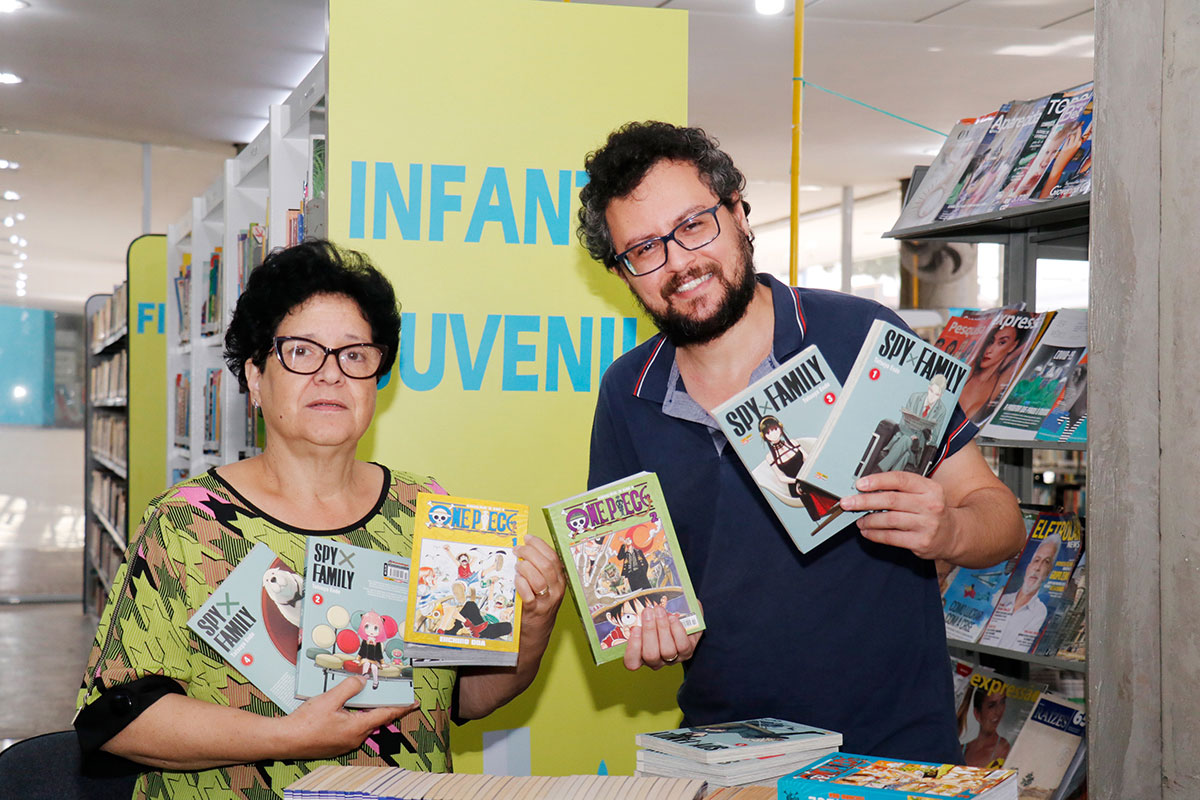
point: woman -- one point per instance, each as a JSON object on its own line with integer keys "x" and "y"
{"x": 992, "y": 370}
{"x": 313, "y": 332}
{"x": 988, "y": 748}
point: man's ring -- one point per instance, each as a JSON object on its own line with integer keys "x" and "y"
{"x": 671, "y": 660}
{"x": 544, "y": 592}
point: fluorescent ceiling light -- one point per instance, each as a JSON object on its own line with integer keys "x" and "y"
{"x": 14, "y": 239}
{"x": 20, "y": 293}
{"x": 768, "y": 6}
{"x": 9, "y": 194}
{"x": 20, "y": 284}
{"x": 21, "y": 242}
{"x": 9, "y": 222}
{"x": 1040, "y": 50}
{"x": 9, "y": 6}
{"x": 20, "y": 217}
{"x": 23, "y": 256}
{"x": 8, "y": 77}
{"x": 21, "y": 276}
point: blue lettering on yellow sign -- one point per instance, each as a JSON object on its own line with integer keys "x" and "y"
{"x": 396, "y": 208}
{"x": 529, "y": 361}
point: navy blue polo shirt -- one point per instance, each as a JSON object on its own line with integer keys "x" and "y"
{"x": 850, "y": 636}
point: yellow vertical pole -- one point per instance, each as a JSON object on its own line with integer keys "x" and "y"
{"x": 797, "y": 101}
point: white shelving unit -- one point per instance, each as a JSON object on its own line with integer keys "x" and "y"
{"x": 256, "y": 187}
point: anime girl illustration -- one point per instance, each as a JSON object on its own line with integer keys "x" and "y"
{"x": 778, "y": 470}
{"x": 370, "y": 652}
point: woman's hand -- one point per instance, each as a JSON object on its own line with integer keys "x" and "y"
{"x": 322, "y": 727}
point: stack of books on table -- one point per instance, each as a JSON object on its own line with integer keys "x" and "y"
{"x": 734, "y": 753}
{"x": 841, "y": 776}
{"x": 394, "y": 783}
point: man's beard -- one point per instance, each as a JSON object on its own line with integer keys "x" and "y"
{"x": 682, "y": 330}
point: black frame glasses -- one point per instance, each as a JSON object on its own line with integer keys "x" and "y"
{"x": 623, "y": 257}
{"x": 337, "y": 352}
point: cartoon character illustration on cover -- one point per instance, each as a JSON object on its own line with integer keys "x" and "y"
{"x": 371, "y": 630}
{"x": 622, "y": 617}
{"x": 777, "y": 473}
{"x": 921, "y": 414}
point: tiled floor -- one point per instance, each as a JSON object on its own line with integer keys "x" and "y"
{"x": 44, "y": 634}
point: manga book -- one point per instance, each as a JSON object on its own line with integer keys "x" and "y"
{"x": 892, "y": 414}
{"x": 1044, "y": 380}
{"x": 734, "y": 741}
{"x": 971, "y": 597}
{"x": 354, "y": 607}
{"x": 463, "y": 604}
{"x": 253, "y": 623}
{"x": 943, "y": 175}
{"x": 991, "y": 715}
{"x": 621, "y": 557}
{"x": 773, "y": 425}
{"x": 841, "y": 776}
{"x": 1036, "y": 585}
{"x": 1046, "y": 745}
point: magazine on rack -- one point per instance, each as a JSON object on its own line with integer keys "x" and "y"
{"x": 773, "y": 426}
{"x": 621, "y": 557}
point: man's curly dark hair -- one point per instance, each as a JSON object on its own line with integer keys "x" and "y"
{"x": 621, "y": 164}
{"x": 286, "y": 279}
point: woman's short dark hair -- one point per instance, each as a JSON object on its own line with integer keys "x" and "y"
{"x": 631, "y": 151}
{"x": 286, "y": 279}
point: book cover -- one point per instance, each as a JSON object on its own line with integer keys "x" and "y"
{"x": 944, "y": 173}
{"x": 991, "y": 715}
{"x": 979, "y": 181}
{"x": 998, "y": 359}
{"x": 248, "y": 621}
{"x": 843, "y": 776}
{"x": 621, "y": 556}
{"x": 353, "y": 610}
{"x": 892, "y": 413}
{"x": 1042, "y": 379}
{"x": 773, "y": 426}
{"x": 971, "y": 597}
{"x": 734, "y": 741}
{"x": 465, "y": 592}
{"x": 1036, "y": 584}
{"x": 963, "y": 334}
{"x": 212, "y": 410}
{"x": 1046, "y": 745}
{"x": 1071, "y": 171}
{"x": 1067, "y": 420}
{"x": 1041, "y": 147}
{"x": 951, "y": 209}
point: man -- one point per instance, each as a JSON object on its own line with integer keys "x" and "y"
{"x": 1019, "y": 615}
{"x": 850, "y": 636}
{"x": 926, "y": 410}
{"x": 633, "y": 565}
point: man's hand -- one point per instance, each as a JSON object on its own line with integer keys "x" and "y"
{"x": 911, "y": 513}
{"x": 541, "y": 583}
{"x": 659, "y": 641}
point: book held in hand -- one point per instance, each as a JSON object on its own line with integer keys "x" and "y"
{"x": 621, "y": 557}
{"x": 252, "y": 620}
{"x": 463, "y": 602}
{"x": 773, "y": 425}
{"x": 355, "y": 602}
{"x": 842, "y": 776}
{"x": 893, "y": 412}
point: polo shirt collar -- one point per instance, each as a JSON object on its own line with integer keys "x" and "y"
{"x": 790, "y": 328}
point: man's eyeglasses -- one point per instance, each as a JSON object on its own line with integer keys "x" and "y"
{"x": 305, "y": 357}
{"x": 693, "y": 233}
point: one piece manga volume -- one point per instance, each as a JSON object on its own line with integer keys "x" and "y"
{"x": 622, "y": 558}
{"x": 463, "y": 602}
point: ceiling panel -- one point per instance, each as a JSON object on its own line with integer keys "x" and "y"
{"x": 1027, "y": 14}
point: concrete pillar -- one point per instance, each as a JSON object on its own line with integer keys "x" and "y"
{"x": 1144, "y": 441}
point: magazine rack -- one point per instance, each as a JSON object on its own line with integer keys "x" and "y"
{"x": 1053, "y": 229}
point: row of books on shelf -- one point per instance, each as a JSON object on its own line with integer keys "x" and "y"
{"x": 358, "y": 611}
{"x": 108, "y": 321}
{"x": 1033, "y": 603}
{"x": 1021, "y": 154}
{"x": 110, "y": 437}
{"x": 1028, "y": 371}
{"x": 105, "y": 554}
{"x": 110, "y": 500}
{"x": 251, "y": 248}
{"x": 108, "y": 380}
